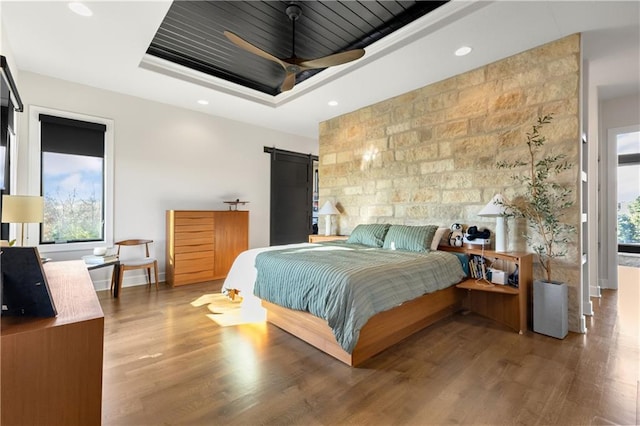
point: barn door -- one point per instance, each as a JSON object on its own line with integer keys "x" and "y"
{"x": 291, "y": 196}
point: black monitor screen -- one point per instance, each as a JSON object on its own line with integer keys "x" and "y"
{"x": 25, "y": 291}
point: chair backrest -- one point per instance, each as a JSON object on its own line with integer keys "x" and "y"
{"x": 134, "y": 242}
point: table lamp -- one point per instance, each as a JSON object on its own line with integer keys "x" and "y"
{"x": 22, "y": 209}
{"x": 495, "y": 208}
{"x": 328, "y": 209}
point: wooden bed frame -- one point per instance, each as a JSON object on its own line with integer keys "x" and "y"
{"x": 379, "y": 333}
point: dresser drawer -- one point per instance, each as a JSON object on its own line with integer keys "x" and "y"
{"x": 194, "y": 265}
{"x": 194, "y": 240}
{"x": 192, "y": 277}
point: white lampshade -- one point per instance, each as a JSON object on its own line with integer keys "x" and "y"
{"x": 328, "y": 209}
{"x": 22, "y": 209}
{"x": 495, "y": 208}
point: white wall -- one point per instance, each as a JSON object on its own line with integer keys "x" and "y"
{"x": 167, "y": 158}
{"x": 620, "y": 112}
{"x": 614, "y": 113}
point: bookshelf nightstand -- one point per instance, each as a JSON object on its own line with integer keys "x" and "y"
{"x": 502, "y": 303}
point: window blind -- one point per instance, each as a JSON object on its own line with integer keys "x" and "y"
{"x": 68, "y": 136}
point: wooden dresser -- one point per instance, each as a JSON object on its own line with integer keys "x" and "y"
{"x": 202, "y": 244}
{"x": 52, "y": 367}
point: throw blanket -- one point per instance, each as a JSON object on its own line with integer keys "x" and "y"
{"x": 346, "y": 284}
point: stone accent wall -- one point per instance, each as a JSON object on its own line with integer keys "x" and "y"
{"x": 429, "y": 156}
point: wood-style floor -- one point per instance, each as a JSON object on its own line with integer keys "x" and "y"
{"x": 167, "y": 363}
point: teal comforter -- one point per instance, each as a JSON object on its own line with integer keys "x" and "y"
{"x": 346, "y": 284}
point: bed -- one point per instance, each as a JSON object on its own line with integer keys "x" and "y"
{"x": 356, "y": 298}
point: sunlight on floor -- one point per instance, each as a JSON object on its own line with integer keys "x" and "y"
{"x": 629, "y": 300}
{"x": 226, "y": 312}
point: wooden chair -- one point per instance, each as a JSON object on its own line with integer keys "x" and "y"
{"x": 136, "y": 263}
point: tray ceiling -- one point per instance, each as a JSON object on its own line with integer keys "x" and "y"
{"x": 191, "y": 34}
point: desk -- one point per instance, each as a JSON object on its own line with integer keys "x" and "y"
{"x": 114, "y": 275}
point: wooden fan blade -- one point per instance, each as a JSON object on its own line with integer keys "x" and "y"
{"x": 331, "y": 60}
{"x": 289, "y": 82}
{"x": 243, "y": 44}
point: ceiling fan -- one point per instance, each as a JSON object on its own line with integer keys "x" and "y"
{"x": 294, "y": 65}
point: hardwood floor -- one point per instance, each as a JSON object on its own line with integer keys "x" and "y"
{"x": 166, "y": 362}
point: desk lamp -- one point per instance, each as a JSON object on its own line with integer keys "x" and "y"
{"x": 495, "y": 208}
{"x": 22, "y": 209}
{"x": 328, "y": 209}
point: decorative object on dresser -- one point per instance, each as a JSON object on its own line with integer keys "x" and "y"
{"x": 52, "y": 367}
{"x": 543, "y": 206}
{"x": 328, "y": 210}
{"x": 22, "y": 209}
{"x": 496, "y": 208}
{"x": 233, "y": 205}
{"x": 202, "y": 244}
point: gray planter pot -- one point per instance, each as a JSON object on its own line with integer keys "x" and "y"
{"x": 550, "y": 308}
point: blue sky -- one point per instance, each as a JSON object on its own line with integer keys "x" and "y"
{"x": 65, "y": 172}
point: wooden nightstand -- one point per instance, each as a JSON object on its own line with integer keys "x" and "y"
{"x": 508, "y": 305}
{"x": 319, "y": 238}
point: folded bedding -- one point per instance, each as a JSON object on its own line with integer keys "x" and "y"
{"x": 346, "y": 284}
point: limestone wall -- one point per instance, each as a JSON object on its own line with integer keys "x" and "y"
{"x": 429, "y": 156}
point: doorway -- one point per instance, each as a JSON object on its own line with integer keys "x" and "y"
{"x": 292, "y": 186}
{"x": 628, "y": 198}
{"x": 623, "y": 199}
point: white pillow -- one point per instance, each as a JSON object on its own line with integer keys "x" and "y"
{"x": 440, "y": 232}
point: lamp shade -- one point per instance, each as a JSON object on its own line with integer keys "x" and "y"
{"x": 328, "y": 208}
{"x": 494, "y": 208}
{"x": 22, "y": 209}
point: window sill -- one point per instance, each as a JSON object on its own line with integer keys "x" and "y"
{"x": 69, "y": 247}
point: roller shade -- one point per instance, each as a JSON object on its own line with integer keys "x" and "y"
{"x": 67, "y": 136}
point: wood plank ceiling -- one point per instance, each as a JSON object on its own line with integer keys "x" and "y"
{"x": 191, "y": 34}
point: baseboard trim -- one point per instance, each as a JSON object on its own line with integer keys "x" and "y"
{"x": 130, "y": 280}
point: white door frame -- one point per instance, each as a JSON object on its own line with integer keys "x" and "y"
{"x": 611, "y": 230}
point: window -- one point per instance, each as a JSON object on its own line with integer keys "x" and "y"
{"x": 75, "y": 178}
{"x": 628, "y": 205}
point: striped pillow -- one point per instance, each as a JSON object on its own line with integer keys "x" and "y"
{"x": 410, "y": 238}
{"x": 371, "y": 234}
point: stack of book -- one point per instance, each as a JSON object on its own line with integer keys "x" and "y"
{"x": 92, "y": 259}
{"x": 478, "y": 267}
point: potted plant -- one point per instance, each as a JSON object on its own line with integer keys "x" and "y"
{"x": 543, "y": 205}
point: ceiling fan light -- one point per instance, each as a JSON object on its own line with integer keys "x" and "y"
{"x": 80, "y": 8}
{"x": 464, "y": 50}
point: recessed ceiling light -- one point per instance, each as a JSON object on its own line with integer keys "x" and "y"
{"x": 203, "y": 102}
{"x": 80, "y": 8}
{"x": 464, "y": 50}
{"x": 333, "y": 103}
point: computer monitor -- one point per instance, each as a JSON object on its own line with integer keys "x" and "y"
{"x": 25, "y": 290}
